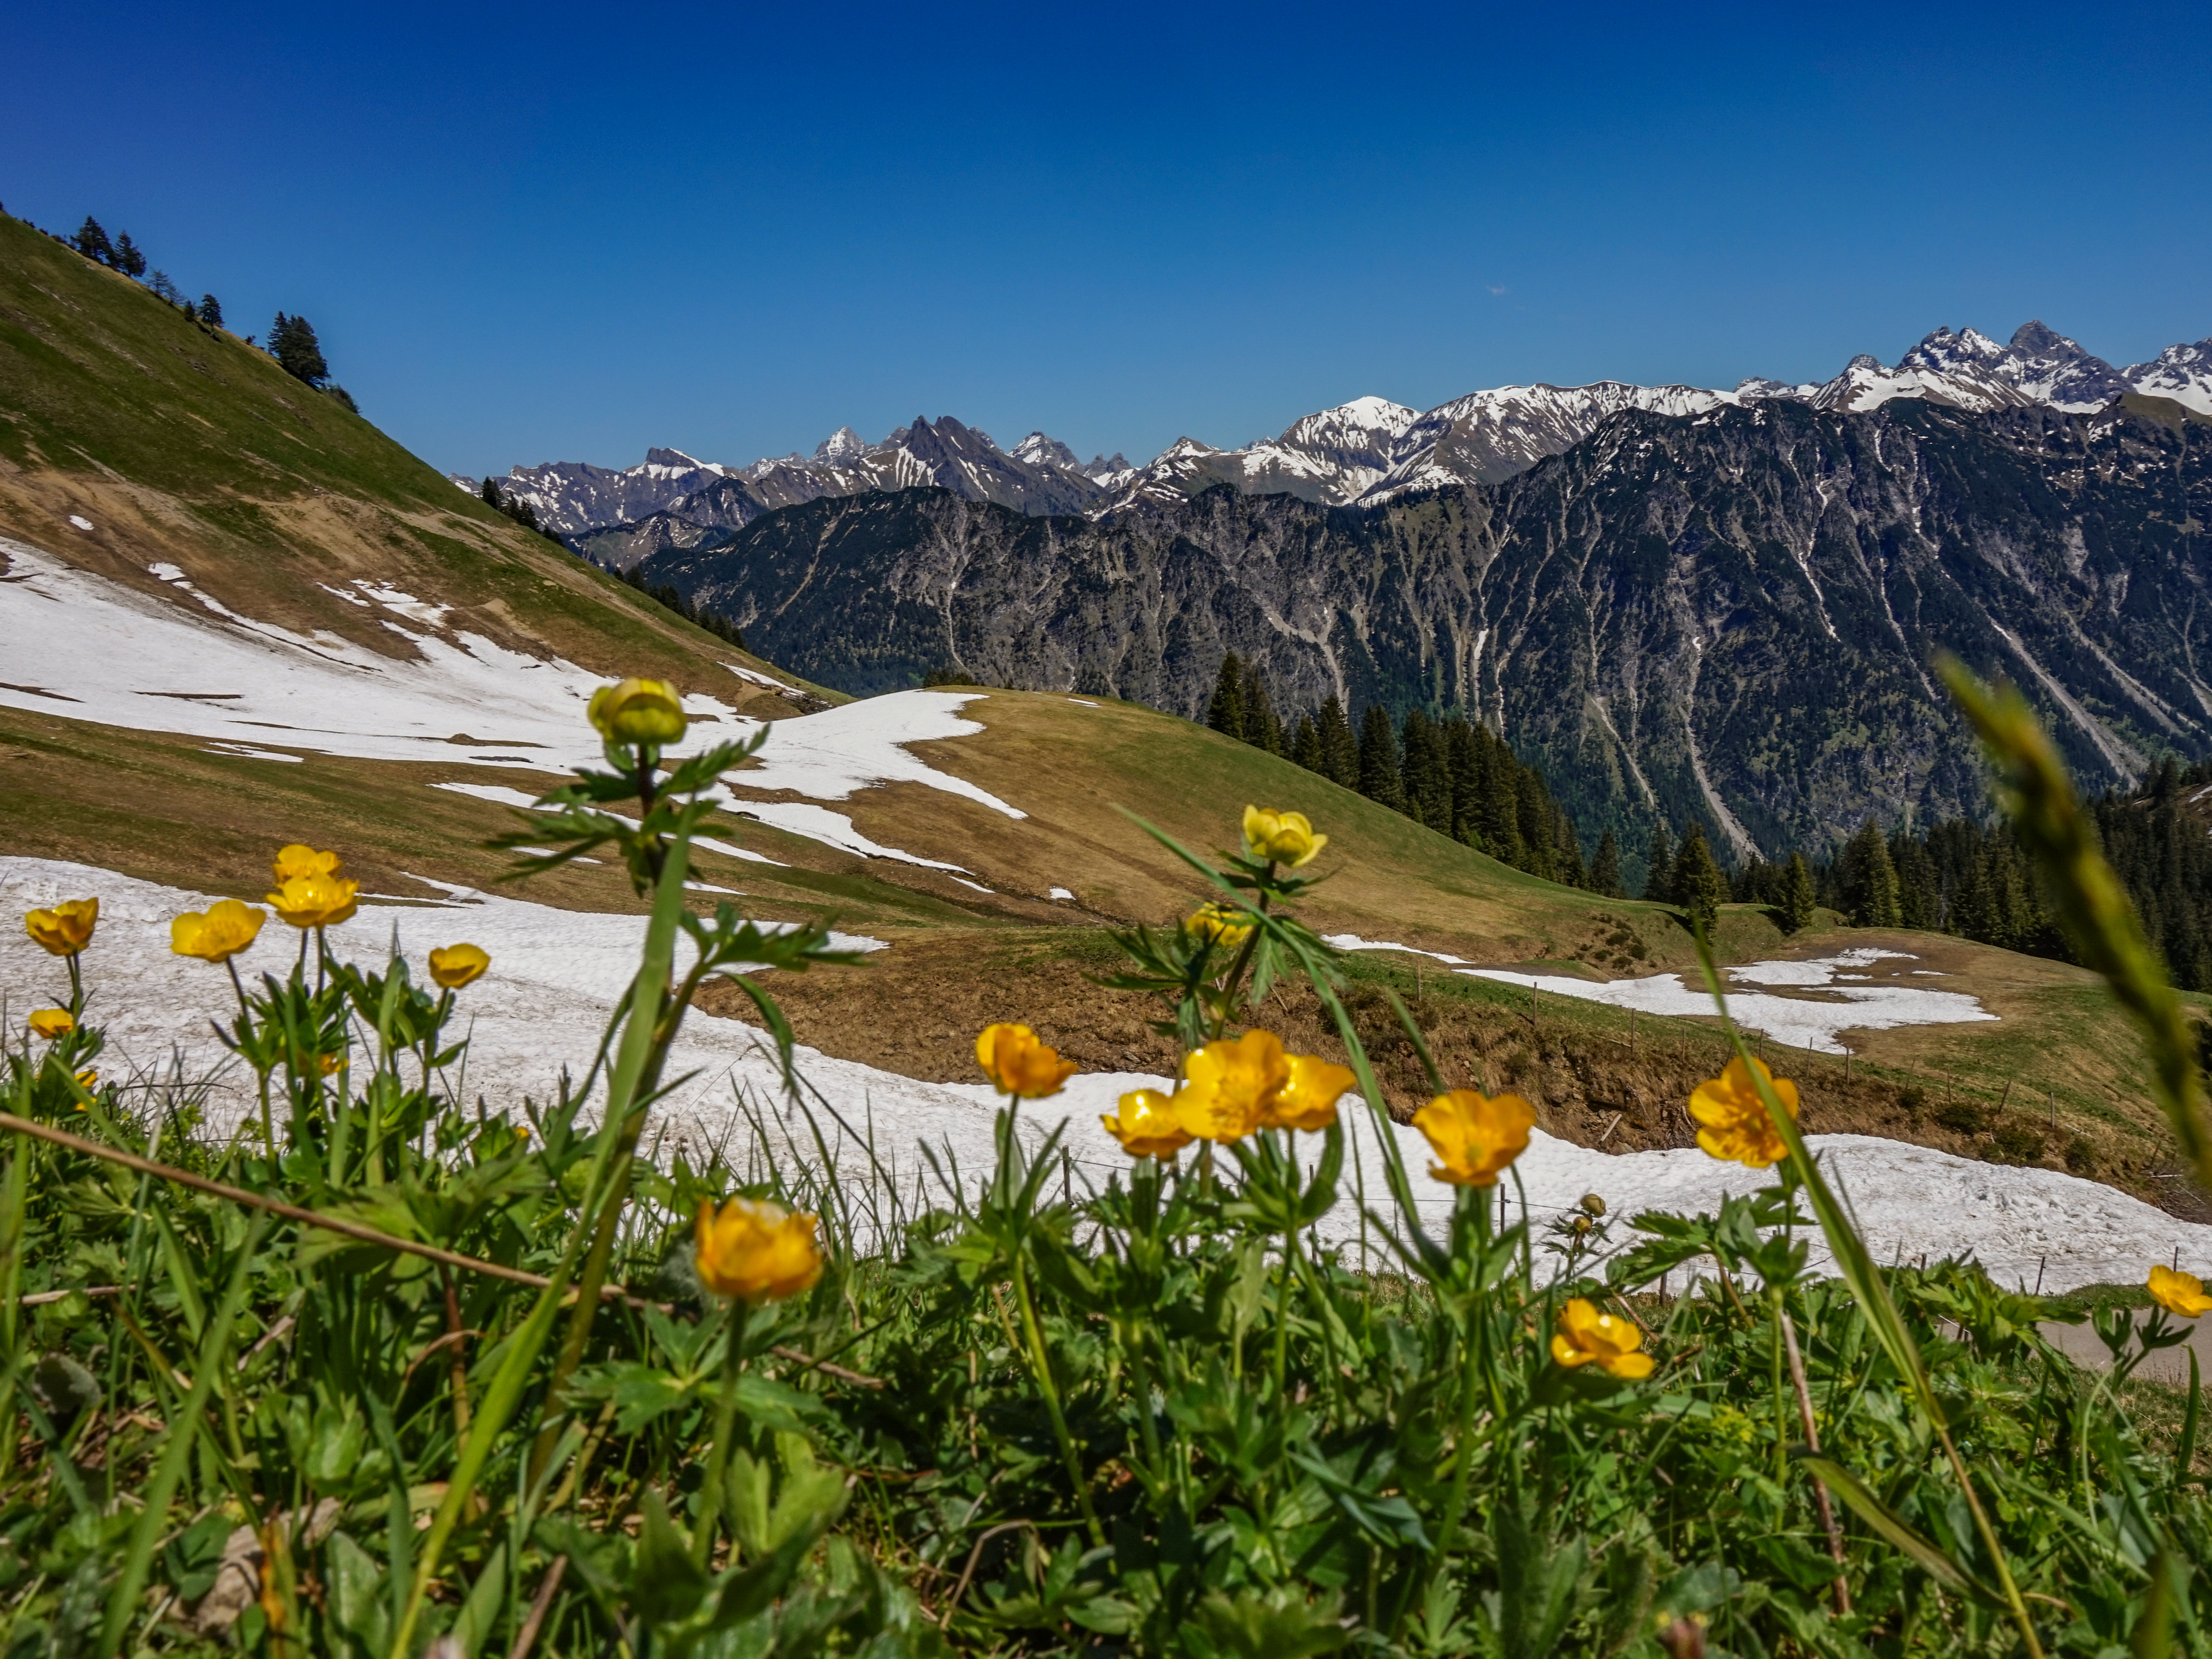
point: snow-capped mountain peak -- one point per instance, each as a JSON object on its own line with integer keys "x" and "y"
{"x": 1038, "y": 450}
{"x": 2183, "y": 373}
{"x": 842, "y": 445}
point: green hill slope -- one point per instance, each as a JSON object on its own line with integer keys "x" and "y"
{"x": 182, "y": 445}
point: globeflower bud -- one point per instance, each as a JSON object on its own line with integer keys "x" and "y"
{"x": 1282, "y": 837}
{"x": 641, "y": 713}
{"x": 65, "y": 930}
{"x": 455, "y": 965}
{"x": 752, "y": 1250}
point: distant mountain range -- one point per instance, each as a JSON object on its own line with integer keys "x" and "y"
{"x": 1725, "y": 616}
{"x": 1367, "y": 450}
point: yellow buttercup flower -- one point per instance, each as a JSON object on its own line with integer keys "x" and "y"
{"x": 301, "y": 860}
{"x": 1230, "y": 1086}
{"x": 1736, "y": 1126}
{"x": 51, "y": 1022}
{"x": 315, "y": 901}
{"x": 1282, "y": 837}
{"x": 89, "y": 1078}
{"x": 66, "y": 929}
{"x": 2177, "y": 1292}
{"x": 1225, "y": 927}
{"x": 1146, "y": 1125}
{"x": 1583, "y": 1336}
{"x": 1474, "y": 1136}
{"x": 220, "y": 933}
{"x": 647, "y": 712}
{"x": 457, "y": 964}
{"x": 1307, "y": 1101}
{"x": 1018, "y": 1064}
{"x": 757, "y": 1251}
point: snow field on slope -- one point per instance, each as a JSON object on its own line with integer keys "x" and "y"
{"x": 556, "y": 975}
{"x": 84, "y": 646}
{"x": 1797, "y": 1022}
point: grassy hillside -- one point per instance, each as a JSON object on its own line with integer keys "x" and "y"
{"x": 183, "y": 445}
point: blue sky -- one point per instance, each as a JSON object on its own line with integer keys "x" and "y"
{"x": 562, "y": 233}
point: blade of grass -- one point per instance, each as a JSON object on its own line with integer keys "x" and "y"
{"x": 182, "y": 1434}
{"x": 2038, "y": 796}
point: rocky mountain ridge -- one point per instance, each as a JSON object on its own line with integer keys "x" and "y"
{"x": 1367, "y": 450}
{"x": 1725, "y": 616}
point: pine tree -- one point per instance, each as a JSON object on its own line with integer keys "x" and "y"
{"x": 1226, "y": 713}
{"x": 1798, "y": 903}
{"x": 1424, "y": 773}
{"x": 1697, "y": 881}
{"x": 1261, "y": 729}
{"x": 128, "y": 259}
{"x": 490, "y": 495}
{"x": 210, "y": 313}
{"x": 1567, "y": 851}
{"x": 1305, "y": 747}
{"x": 1463, "y": 756}
{"x": 292, "y": 342}
{"x": 1340, "y": 750}
{"x": 1379, "y": 759}
{"x": 1533, "y": 812}
{"x": 163, "y": 287}
{"x": 92, "y": 241}
{"x": 1659, "y": 868}
{"x": 1869, "y": 879}
{"x": 1605, "y": 868}
{"x": 1501, "y": 799}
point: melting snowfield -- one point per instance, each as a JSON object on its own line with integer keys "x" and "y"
{"x": 556, "y": 975}
{"x": 84, "y": 646}
{"x": 1800, "y": 1022}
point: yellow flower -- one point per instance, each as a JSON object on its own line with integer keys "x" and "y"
{"x": 1229, "y": 1087}
{"x": 757, "y": 1251}
{"x": 457, "y": 964}
{"x": 88, "y": 1078}
{"x": 1583, "y": 1336}
{"x": 315, "y": 901}
{"x": 1307, "y": 1101}
{"x": 647, "y": 713}
{"x": 1225, "y": 927}
{"x": 328, "y": 1063}
{"x": 51, "y": 1022}
{"x": 1282, "y": 837}
{"x": 1474, "y": 1136}
{"x": 2181, "y": 1293}
{"x": 1146, "y": 1125}
{"x": 66, "y": 929}
{"x": 299, "y": 860}
{"x": 226, "y": 927}
{"x": 1018, "y": 1064}
{"x": 1736, "y": 1126}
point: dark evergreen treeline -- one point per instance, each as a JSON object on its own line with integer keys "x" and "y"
{"x": 713, "y": 621}
{"x": 1976, "y": 881}
{"x": 1454, "y": 776}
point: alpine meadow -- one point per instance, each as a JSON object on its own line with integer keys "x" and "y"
{"x": 1570, "y": 1025}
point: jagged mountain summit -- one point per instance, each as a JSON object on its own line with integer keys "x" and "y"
{"x": 1367, "y": 450}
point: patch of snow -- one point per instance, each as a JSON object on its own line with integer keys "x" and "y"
{"x": 1353, "y": 942}
{"x": 977, "y": 886}
{"x": 1798, "y": 1022}
{"x": 556, "y": 975}
{"x": 1058, "y": 893}
{"x": 80, "y": 523}
{"x": 245, "y": 753}
{"x": 1085, "y": 703}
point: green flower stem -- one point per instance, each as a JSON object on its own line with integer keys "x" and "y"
{"x": 1042, "y": 1365}
{"x": 713, "y": 1500}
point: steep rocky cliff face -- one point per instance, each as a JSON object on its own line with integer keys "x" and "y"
{"x": 1727, "y": 615}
